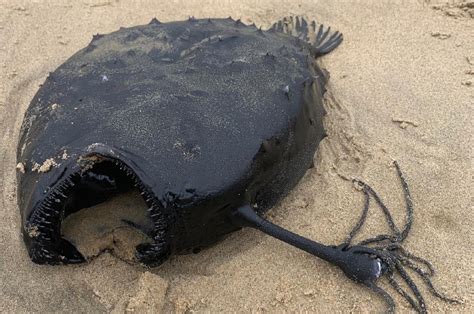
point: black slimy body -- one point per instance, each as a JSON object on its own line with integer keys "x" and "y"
{"x": 205, "y": 116}
{"x": 212, "y": 120}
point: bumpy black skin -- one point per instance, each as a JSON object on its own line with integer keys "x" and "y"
{"x": 196, "y": 111}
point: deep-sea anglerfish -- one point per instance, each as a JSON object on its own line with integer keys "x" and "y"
{"x": 213, "y": 121}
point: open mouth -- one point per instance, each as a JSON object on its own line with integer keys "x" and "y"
{"x": 102, "y": 207}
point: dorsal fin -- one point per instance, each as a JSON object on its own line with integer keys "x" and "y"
{"x": 96, "y": 37}
{"x": 317, "y": 37}
{"x": 154, "y": 21}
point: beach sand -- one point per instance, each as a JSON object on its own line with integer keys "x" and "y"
{"x": 401, "y": 88}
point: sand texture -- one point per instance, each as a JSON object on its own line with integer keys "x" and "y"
{"x": 401, "y": 88}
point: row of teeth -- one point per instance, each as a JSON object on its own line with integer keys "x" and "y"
{"x": 46, "y": 213}
{"x": 153, "y": 209}
{"x": 48, "y": 216}
{"x": 44, "y": 218}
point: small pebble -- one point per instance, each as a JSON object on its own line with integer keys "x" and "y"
{"x": 20, "y": 167}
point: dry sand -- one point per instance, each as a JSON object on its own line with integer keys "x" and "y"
{"x": 402, "y": 89}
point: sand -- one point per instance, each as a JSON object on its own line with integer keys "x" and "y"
{"x": 401, "y": 88}
{"x": 116, "y": 226}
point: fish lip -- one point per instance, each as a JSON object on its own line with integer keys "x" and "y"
{"x": 41, "y": 229}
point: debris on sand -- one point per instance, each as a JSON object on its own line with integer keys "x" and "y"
{"x": 440, "y": 35}
{"x": 45, "y": 167}
{"x": 100, "y": 4}
{"x": 20, "y": 167}
{"x": 32, "y": 231}
{"x": 403, "y": 123}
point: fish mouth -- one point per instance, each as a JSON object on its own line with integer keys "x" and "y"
{"x": 96, "y": 178}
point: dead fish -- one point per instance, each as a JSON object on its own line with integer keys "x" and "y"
{"x": 212, "y": 120}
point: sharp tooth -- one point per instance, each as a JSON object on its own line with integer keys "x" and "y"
{"x": 46, "y": 229}
{"x": 61, "y": 194}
